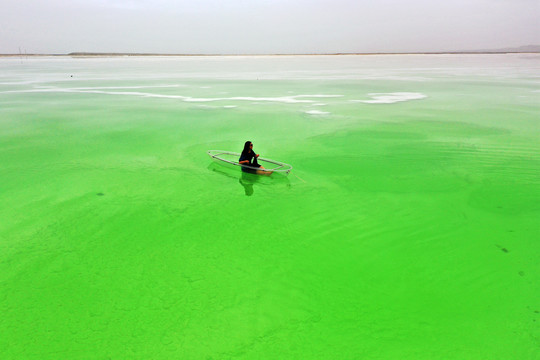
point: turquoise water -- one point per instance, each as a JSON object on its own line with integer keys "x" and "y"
{"x": 408, "y": 228}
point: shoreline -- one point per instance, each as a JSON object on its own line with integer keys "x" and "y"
{"x": 92, "y": 55}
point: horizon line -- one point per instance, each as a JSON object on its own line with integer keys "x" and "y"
{"x": 98, "y": 54}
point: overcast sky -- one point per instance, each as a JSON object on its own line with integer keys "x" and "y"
{"x": 265, "y": 26}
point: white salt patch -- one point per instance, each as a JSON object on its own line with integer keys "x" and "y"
{"x": 210, "y": 107}
{"x": 319, "y": 96}
{"x": 296, "y": 99}
{"x": 316, "y": 112}
{"x": 390, "y": 98}
{"x": 119, "y": 87}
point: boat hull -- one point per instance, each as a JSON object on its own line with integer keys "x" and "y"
{"x": 231, "y": 159}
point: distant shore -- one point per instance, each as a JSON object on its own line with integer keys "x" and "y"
{"x": 92, "y": 54}
{"x": 527, "y": 49}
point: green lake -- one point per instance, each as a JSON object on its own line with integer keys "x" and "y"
{"x": 407, "y": 229}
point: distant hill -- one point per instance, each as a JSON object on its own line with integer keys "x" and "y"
{"x": 520, "y": 49}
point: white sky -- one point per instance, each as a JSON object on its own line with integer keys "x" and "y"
{"x": 265, "y": 26}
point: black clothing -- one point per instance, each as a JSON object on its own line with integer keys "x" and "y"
{"x": 252, "y": 161}
{"x": 250, "y": 156}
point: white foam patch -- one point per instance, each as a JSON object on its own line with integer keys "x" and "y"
{"x": 316, "y": 112}
{"x": 390, "y": 98}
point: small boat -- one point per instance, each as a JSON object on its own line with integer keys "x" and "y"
{"x": 231, "y": 158}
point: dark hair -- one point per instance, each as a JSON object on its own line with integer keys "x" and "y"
{"x": 247, "y": 147}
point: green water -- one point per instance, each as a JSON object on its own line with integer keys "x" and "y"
{"x": 407, "y": 229}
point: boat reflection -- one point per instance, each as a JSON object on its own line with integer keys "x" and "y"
{"x": 248, "y": 180}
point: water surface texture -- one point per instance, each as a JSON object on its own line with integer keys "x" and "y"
{"x": 408, "y": 228}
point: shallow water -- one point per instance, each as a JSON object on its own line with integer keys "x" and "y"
{"x": 408, "y": 228}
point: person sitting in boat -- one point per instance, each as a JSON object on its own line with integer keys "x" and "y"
{"x": 249, "y": 158}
